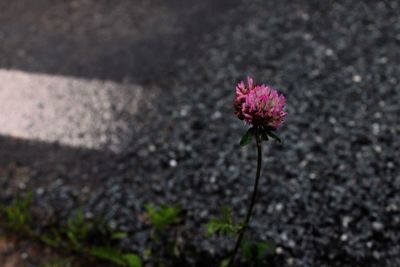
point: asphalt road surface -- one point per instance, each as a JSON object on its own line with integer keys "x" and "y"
{"x": 328, "y": 196}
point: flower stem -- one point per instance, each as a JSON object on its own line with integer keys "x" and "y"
{"x": 252, "y": 202}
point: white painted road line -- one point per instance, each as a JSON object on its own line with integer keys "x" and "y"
{"x": 72, "y": 111}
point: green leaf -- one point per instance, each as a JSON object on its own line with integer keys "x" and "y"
{"x": 218, "y": 227}
{"x": 147, "y": 253}
{"x": 77, "y": 228}
{"x": 74, "y": 239}
{"x": 17, "y": 215}
{"x": 247, "y": 137}
{"x": 76, "y": 221}
{"x": 132, "y": 260}
{"x": 224, "y": 263}
{"x": 224, "y": 225}
{"x": 26, "y": 201}
{"x": 264, "y": 134}
{"x": 58, "y": 262}
{"x": 51, "y": 240}
{"x": 163, "y": 216}
{"x": 256, "y": 251}
{"x": 119, "y": 235}
{"x": 246, "y": 250}
{"x": 264, "y": 248}
{"x": 108, "y": 254}
{"x": 273, "y": 135}
{"x": 227, "y": 215}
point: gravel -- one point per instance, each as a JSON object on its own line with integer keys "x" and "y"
{"x": 329, "y": 193}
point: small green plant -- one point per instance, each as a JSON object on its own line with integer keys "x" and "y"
{"x": 17, "y": 217}
{"x": 58, "y": 262}
{"x": 166, "y": 244}
{"x": 79, "y": 235}
{"x": 163, "y": 216}
{"x": 80, "y": 232}
{"x": 52, "y": 238}
{"x": 77, "y": 230}
{"x": 116, "y": 256}
{"x": 94, "y": 237}
{"x": 256, "y": 252}
{"x": 224, "y": 225}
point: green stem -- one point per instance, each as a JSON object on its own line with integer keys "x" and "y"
{"x": 252, "y": 202}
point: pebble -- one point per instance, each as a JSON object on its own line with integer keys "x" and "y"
{"x": 329, "y": 52}
{"x": 375, "y": 128}
{"x": 279, "y": 250}
{"x": 40, "y": 191}
{"x": 345, "y": 221}
{"x": 356, "y": 78}
{"x": 24, "y": 255}
{"x": 173, "y": 163}
{"x": 377, "y": 226}
{"x": 279, "y": 207}
{"x": 213, "y": 179}
{"x": 344, "y": 237}
{"x": 216, "y": 115}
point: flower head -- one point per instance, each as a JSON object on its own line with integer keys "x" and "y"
{"x": 259, "y": 105}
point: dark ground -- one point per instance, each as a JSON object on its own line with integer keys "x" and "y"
{"x": 330, "y": 196}
{"x": 134, "y": 40}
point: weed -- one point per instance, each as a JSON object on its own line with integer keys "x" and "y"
{"x": 167, "y": 241}
{"x": 224, "y": 225}
{"x": 58, "y": 262}
{"x": 81, "y": 236}
{"x": 17, "y": 217}
{"x": 256, "y": 252}
{"x": 163, "y": 216}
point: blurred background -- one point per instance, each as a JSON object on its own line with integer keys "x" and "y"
{"x": 106, "y": 106}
